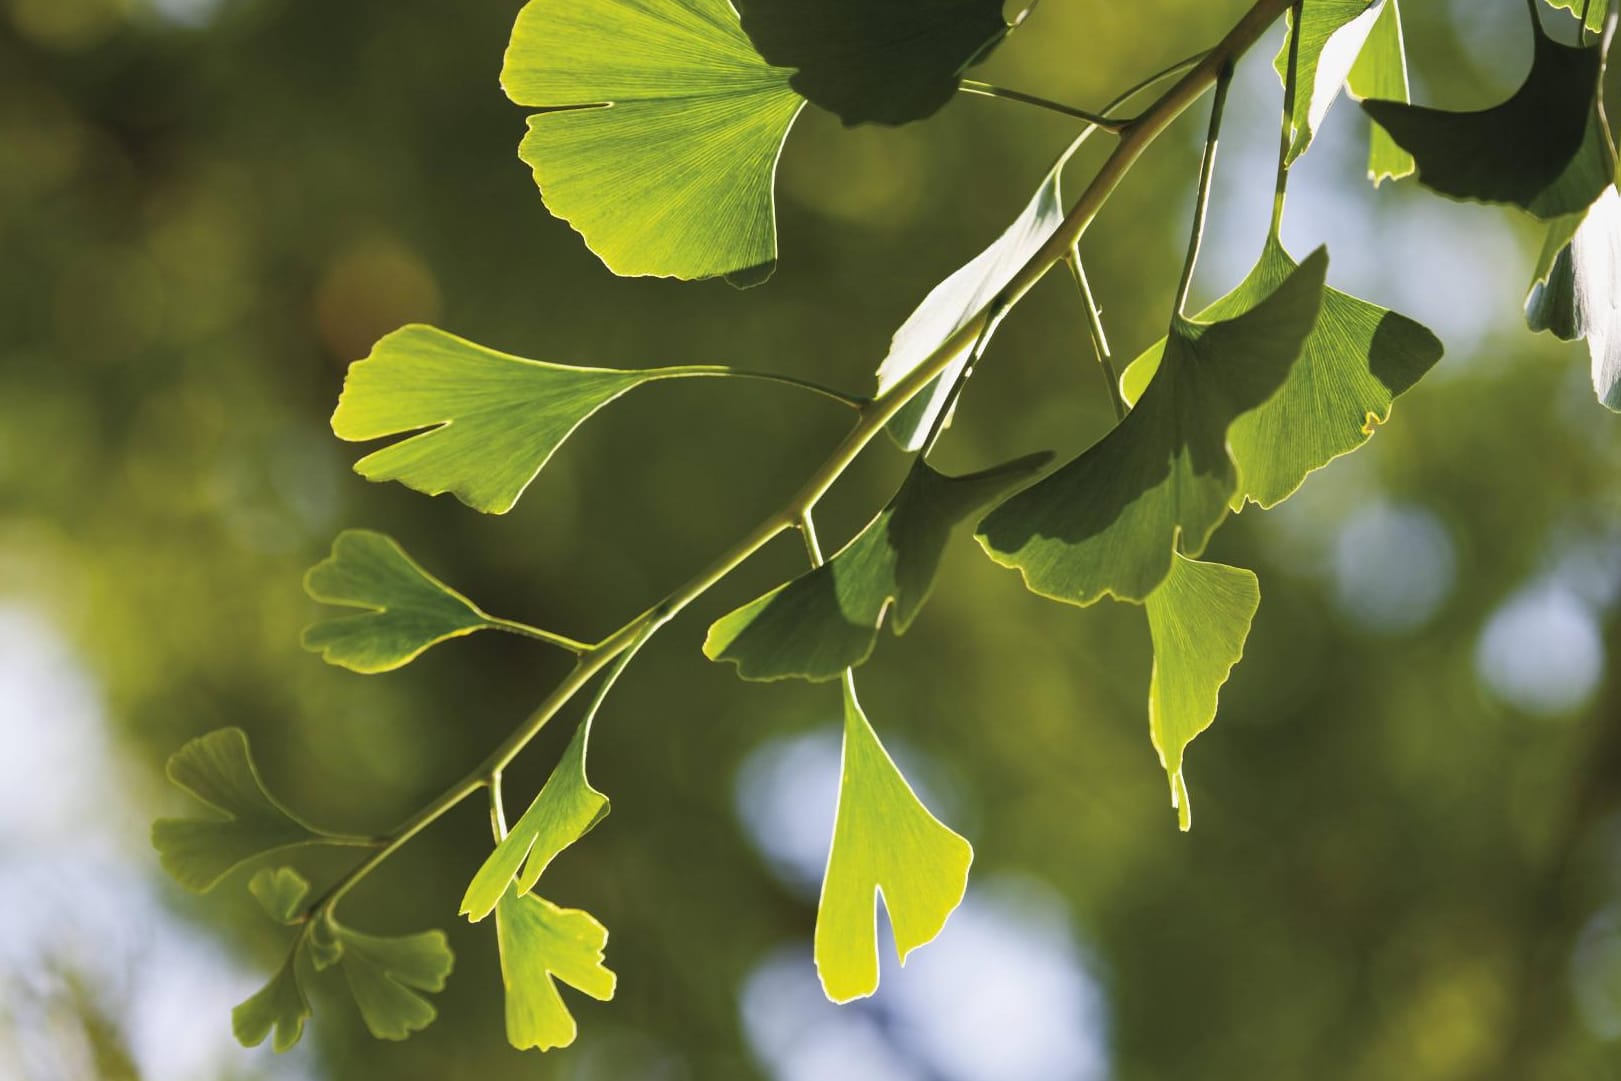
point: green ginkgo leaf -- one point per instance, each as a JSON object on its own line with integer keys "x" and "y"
{"x": 280, "y": 1007}
{"x": 1545, "y": 149}
{"x": 565, "y": 810}
{"x": 828, "y": 619}
{"x": 954, "y": 301}
{"x": 881, "y": 61}
{"x": 1332, "y": 35}
{"x": 1577, "y": 289}
{"x": 1199, "y": 618}
{"x": 492, "y": 419}
{"x": 408, "y": 609}
{"x": 248, "y": 821}
{"x": 1595, "y": 11}
{"x": 660, "y": 132}
{"x": 1381, "y": 72}
{"x": 885, "y": 844}
{"x": 1109, "y": 520}
{"x": 280, "y": 891}
{"x": 385, "y": 974}
{"x": 1355, "y": 362}
{"x": 540, "y": 944}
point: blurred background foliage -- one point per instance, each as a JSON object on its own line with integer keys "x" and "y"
{"x": 1405, "y": 862}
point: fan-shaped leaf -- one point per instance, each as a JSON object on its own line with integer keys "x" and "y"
{"x": 1545, "y": 149}
{"x": 1332, "y": 34}
{"x": 883, "y": 61}
{"x": 492, "y": 419}
{"x": 541, "y": 943}
{"x": 565, "y": 810}
{"x": 885, "y": 844}
{"x": 408, "y": 608}
{"x": 1381, "y": 72}
{"x": 279, "y": 1006}
{"x": 1355, "y": 362}
{"x": 218, "y": 770}
{"x": 385, "y": 974}
{"x": 660, "y": 134}
{"x": 1109, "y": 520}
{"x": 1577, "y": 291}
{"x": 1595, "y": 11}
{"x": 828, "y": 619}
{"x": 1199, "y": 618}
{"x": 280, "y": 891}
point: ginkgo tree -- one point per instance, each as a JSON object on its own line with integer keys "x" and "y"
{"x": 657, "y": 129}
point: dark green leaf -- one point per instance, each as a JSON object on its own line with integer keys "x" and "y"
{"x": 672, "y": 173}
{"x": 1108, "y": 521}
{"x": 828, "y": 619}
{"x": 541, "y": 943}
{"x": 1355, "y": 362}
{"x": 385, "y": 973}
{"x": 1545, "y": 149}
{"x": 881, "y": 61}
{"x": 280, "y": 1006}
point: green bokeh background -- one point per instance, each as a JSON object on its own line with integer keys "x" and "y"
{"x": 207, "y": 211}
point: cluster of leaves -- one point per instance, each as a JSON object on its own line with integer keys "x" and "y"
{"x": 660, "y": 125}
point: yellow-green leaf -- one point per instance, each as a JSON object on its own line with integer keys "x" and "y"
{"x": 540, "y": 944}
{"x": 1332, "y": 33}
{"x": 1381, "y": 72}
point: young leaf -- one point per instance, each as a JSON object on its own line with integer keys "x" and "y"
{"x": 408, "y": 608}
{"x": 492, "y": 419}
{"x": 1381, "y": 72}
{"x": 385, "y": 973}
{"x": 1545, "y": 149}
{"x": 1109, "y": 520}
{"x": 1332, "y": 33}
{"x": 885, "y": 844}
{"x": 278, "y": 1006}
{"x": 1355, "y": 362}
{"x": 565, "y": 810}
{"x": 218, "y": 770}
{"x": 660, "y": 132}
{"x": 881, "y": 61}
{"x": 1199, "y": 618}
{"x": 828, "y": 619}
{"x": 541, "y": 943}
{"x": 1577, "y": 291}
{"x": 951, "y": 303}
{"x": 280, "y": 892}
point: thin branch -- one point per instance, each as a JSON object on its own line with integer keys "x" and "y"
{"x": 813, "y": 547}
{"x": 937, "y": 427}
{"x": 1094, "y": 326}
{"x": 851, "y": 401}
{"x": 990, "y": 90}
{"x": 524, "y": 630}
{"x": 1280, "y": 186}
{"x": 1207, "y": 169}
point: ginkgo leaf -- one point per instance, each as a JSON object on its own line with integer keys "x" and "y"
{"x": 1357, "y": 359}
{"x": 1108, "y": 521}
{"x": 565, "y": 810}
{"x": 828, "y": 619}
{"x": 280, "y": 1006}
{"x": 1595, "y": 11}
{"x": 954, "y": 301}
{"x": 885, "y": 844}
{"x": 1545, "y": 149}
{"x": 492, "y": 419}
{"x": 385, "y": 974}
{"x": 280, "y": 891}
{"x": 540, "y": 944}
{"x": 882, "y": 61}
{"x": 408, "y": 609}
{"x": 1381, "y": 72}
{"x": 1199, "y": 618}
{"x": 218, "y": 770}
{"x": 1577, "y": 291}
{"x": 1332, "y": 34}
{"x": 660, "y": 132}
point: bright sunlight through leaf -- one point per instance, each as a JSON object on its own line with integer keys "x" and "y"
{"x": 540, "y": 944}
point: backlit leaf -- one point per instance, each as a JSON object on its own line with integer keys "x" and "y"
{"x": 385, "y": 974}
{"x": 1594, "y": 9}
{"x": 565, "y": 810}
{"x": 1577, "y": 293}
{"x": 280, "y": 1006}
{"x": 885, "y": 844}
{"x": 408, "y": 608}
{"x": 828, "y": 619}
{"x": 1332, "y": 33}
{"x": 492, "y": 419}
{"x": 280, "y": 891}
{"x": 1381, "y": 72}
{"x": 1545, "y": 149}
{"x": 248, "y": 821}
{"x": 1199, "y": 618}
{"x": 540, "y": 944}
{"x": 884, "y": 61}
{"x": 954, "y": 301}
{"x": 1109, "y": 520}
{"x": 659, "y": 134}
{"x": 1356, "y": 360}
